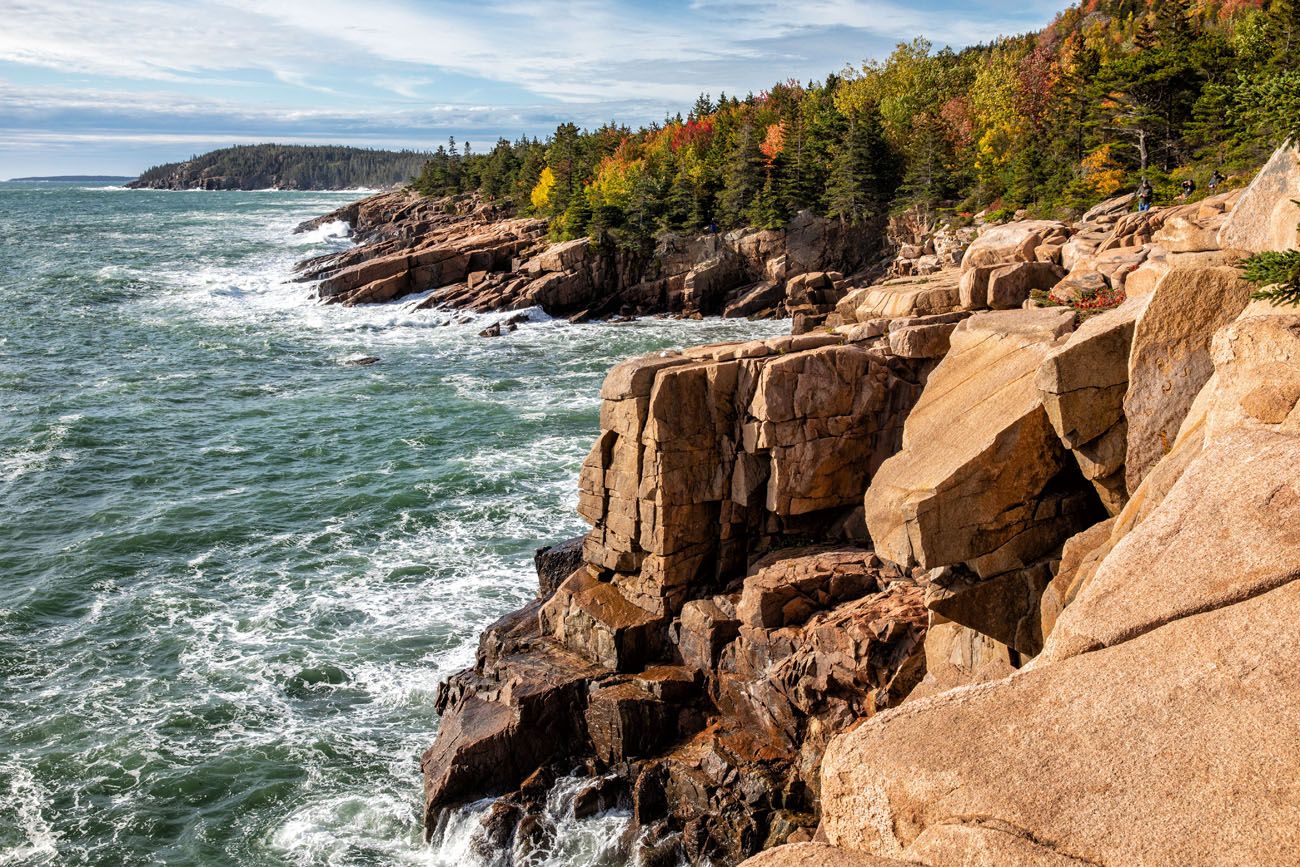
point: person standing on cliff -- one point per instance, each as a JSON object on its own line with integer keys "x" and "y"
{"x": 1144, "y": 195}
{"x": 1189, "y": 187}
{"x": 1215, "y": 179}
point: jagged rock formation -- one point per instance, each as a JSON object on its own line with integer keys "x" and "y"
{"x": 704, "y": 654}
{"x": 1157, "y": 722}
{"x": 470, "y": 257}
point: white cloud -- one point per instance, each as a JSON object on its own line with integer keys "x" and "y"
{"x": 566, "y": 51}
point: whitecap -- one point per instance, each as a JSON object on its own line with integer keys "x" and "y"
{"x": 26, "y": 803}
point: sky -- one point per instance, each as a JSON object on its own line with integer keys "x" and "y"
{"x": 114, "y": 87}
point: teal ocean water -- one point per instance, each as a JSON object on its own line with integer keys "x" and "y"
{"x": 233, "y": 567}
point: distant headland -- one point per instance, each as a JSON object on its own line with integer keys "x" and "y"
{"x": 285, "y": 167}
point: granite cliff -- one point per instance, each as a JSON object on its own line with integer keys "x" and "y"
{"x": 994, "y": 564}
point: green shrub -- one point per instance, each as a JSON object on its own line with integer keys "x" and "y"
{"x": 1278, "y": 274}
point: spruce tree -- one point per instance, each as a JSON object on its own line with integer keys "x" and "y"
{"x": 765, "y": 212}
{"x": 744, "y": 177}
{"x": 858, "y": 175}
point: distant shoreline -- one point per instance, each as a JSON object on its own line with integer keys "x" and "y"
{"x": 72, "y": 179}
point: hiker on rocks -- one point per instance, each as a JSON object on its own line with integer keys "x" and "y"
{"x": 1215, "y": 179}
{"x": 1189, "y": 186}
{"x": 1145, "y": 192}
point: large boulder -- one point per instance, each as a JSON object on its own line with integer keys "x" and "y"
{"x": 1131, "y": 754}
{"x": 593, "y": 618}
{"x": 559, "y": 257}
{"x": 1010, "y": 285}
{"x": 556, "y": 562}
{"x": 516, "y": 711}
{"x": 909, "y": 296}
{"x": 1012, "y": 242}
{"x": 1170, "y": 359}
{"x": 1083, "y": 381}
{"x": 1256, "y": 381}
{"x": 926, "y": 339}
{"x": 978, "y": 451}
{"x": 1266, "y": 215}
{"x": 755, "y": 299}
{"x": 1185, "y": 234}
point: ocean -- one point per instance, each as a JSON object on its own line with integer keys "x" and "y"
{"x": 234, "y": 565}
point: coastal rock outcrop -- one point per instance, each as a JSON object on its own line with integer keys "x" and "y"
{"x": 1201, "y": 566}
{"x": 467, "y": 254}
{"x": 932, "y": 584}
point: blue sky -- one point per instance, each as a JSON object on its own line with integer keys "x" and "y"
{"x": 114, "y": 87}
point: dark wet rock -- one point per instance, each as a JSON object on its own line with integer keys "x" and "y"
{"x": 556, "y": 562}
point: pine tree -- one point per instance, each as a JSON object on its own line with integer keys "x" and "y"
{"x": 1284, "y": 24}
{"x": 858, "y": 182}
{"x": 765, "y": 211}
{"x": 703, "y": 107}
{"x": 1278, "y": 274}
{"x": 744, "y": 180}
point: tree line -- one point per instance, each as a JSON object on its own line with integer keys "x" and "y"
{"x": 1054, "y": 121}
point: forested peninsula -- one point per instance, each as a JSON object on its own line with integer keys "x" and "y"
{"x": 285, "y": 167}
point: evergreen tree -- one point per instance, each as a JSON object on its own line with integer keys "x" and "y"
{"x": 765, "y": 211}
{"x": 703, "y": 107}
{"x": 860, "y": 175}
{"x": 745, "y": 177}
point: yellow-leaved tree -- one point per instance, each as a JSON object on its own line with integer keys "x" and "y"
{"x": 541, "y": 194}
